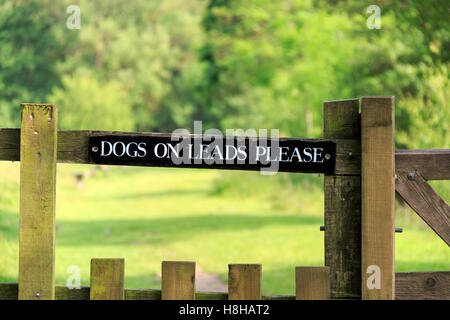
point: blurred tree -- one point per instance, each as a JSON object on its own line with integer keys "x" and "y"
{"x": 148, "y": 48}
{"x": 230, "y": 63}
{"x": 271, "y": 64}
{"x": 30, "y": 48}
{"x": 86, "y": 104}
{"x": 409, "y": 58}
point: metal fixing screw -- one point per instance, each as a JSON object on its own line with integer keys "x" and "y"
{"x": 94, "y": 149}
{"x": 411, "y": 176}
{"x": 327, "y": 156}
{"x": 430, "y": 282}
{"x": 38, "y": 294}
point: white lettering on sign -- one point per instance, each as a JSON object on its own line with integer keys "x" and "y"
{"x": 213, "y": 152}
{"x": 240, "y": 152}
{"x": 132, "y": 149}
{"x": 158, "y": 153}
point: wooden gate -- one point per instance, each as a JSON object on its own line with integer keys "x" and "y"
{"x": 359, "y": 213}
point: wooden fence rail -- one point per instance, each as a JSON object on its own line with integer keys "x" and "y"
{"x": 409, "y": 286}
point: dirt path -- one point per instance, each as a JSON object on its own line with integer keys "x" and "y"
{"x": 207, "y": 282}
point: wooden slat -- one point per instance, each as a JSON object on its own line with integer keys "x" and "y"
{"x": 343, "y": 248}
{"x": 73, "y": 147}
{"x": 64, "y": 293}
{"x": 107, "y": 279}
{"x": 244, "y": 281}
{"x": 178, "y": 280}
{"x": 343, "y": 205}
{"x": 142, "y": 294}
{"x": 8, "y": 291}
{"x": 409, "y": 286}
{"x": 211, "y": 296}
{"x": 432, "y": 164}
{"x": 341, "y": 119}
{"x": 348, "y": 156}
{"x": 378, "y": 192}
{"x": 278, "y": 297}
{"x": 37, "y": 202}
{"x": 422, "y": 198}
{"x": 10, "y": 144}
{"x": 422, "y": 285}
{"x": 312, "y": 283}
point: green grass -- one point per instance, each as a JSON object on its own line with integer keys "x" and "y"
{"x": 147, "y": 215}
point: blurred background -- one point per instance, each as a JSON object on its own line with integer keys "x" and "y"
{"x": 148, "y": 65}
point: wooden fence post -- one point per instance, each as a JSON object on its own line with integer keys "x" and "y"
{"x": 312, "y": 283}
{"x": 178, "y": 280}
{"x": 107, "y": 279}
{"x": 38, "y": 141}
{"x": 378, "y": 188}
{"x": 343, "y": 204}
{"x": 244, "y": 282}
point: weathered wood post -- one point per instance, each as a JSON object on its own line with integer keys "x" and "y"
{"x": 312, "y": 283}
{"x": 244, "y": 281}
{"x": 38, "y": 139}
{"x": 107, "y": 279}
{"x": 178, "y": 280}
{"x": 343, "y": 200}
{"x": 378, "y": 195}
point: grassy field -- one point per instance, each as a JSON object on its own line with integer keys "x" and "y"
{"x": 147, "y": 215}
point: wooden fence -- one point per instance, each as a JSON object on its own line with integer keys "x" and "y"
{"x": 359, "y": 214}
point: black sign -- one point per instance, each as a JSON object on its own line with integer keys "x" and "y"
{"x": 213, "y": 152}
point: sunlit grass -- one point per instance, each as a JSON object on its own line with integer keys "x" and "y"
{"x": 147, "y": 215}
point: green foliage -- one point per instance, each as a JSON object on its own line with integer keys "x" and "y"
{"x": 148, "y": 48}
{"x": 84, "y": 103}
{"x": 272, "y": 64}
{"x": 30, "y": 48}
{"x": 428, "y": 113}
{"x": 229, "y": 63}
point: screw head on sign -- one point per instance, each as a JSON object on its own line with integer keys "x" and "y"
{"x": 94, "y": 149}
{"x": 430, "y": 282}
{"x": 327, "y": 156}
{"x": 38, "y": 294}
